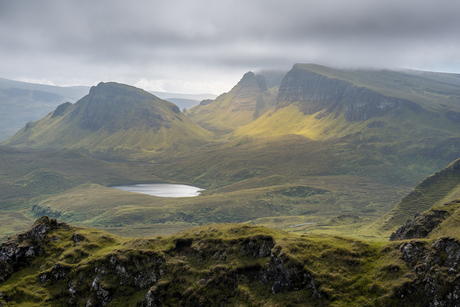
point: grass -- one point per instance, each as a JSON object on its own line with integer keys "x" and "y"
{"x": 344, "y": 271}
{"x": 121, "y": 121}
{"x": 437, "y": 189}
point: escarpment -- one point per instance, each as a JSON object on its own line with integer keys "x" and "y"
{"x": 316, "y": 92}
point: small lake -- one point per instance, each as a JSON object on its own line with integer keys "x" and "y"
{"x": 162, "y": 189}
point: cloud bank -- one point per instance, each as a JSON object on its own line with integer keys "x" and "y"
{"x": 206, "y": 46}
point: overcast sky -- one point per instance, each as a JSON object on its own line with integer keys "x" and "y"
{"x": 205, "y": 46}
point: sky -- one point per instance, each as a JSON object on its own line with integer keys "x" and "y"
{"x": 205, "y": 46}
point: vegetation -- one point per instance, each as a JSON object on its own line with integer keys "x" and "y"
{"x": 309, "y": 154}
{"x": 210, "y": 265}
{"x": 307, "y": 179}
{"x": 113, "y": 120}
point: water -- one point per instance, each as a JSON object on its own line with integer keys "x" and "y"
{"x": 162, "y": 189}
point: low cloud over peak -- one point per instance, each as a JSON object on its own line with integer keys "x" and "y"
{"x": 210, "y": 44}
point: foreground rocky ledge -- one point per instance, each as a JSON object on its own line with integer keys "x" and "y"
{"x": 56, "y": 264}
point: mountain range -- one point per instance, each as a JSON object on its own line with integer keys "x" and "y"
{"x": 337, "y": 161}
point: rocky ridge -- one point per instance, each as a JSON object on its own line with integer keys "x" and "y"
{"x": 223, "y": 265}
{"x": 420, "y": 226}
{"x": 121, "y": 273}
{"x": 317, "y": 92}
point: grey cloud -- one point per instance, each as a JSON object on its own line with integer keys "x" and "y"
{"x": 119, "y": 39}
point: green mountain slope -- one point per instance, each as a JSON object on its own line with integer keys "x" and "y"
{"x": 248, "y": 100}
{"x": 436, "y": 190}
{"x": 321, "y": 103}
{"x": 114, "y": 120}
{"x": 402, "y": 118}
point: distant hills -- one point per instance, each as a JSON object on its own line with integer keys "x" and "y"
{"x": 21, "y": 102}
{"x": 114, "y": 118}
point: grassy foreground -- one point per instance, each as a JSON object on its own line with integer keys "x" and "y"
{"x": 230, "y": 264}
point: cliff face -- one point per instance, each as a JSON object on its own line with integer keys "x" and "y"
{"x": 64, "y": 265}
{"x": 114, "y": 107}
{"x": 316, "y": 92}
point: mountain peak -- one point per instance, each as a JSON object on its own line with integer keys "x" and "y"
{"x": 112, "y": 116}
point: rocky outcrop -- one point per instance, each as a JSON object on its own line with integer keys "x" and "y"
{"x": 434, "y": 278}
{"x": 205, "y": 102}
{"x": 420, "y": 226}
{"x": 61, "y": 109}
{"x": 21, "y": 250}
{"x": 218, "y": 266}
{"x": 163, "y": 274}
{"x": 362, "y": 104}
{"x": 316, "y": 92}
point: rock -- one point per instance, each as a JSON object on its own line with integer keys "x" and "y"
{"x": 420, "y": 226}
{"x": 76, "y": 238}
{"x": 316, "y": 92}
{"x": 436, "y": 281}
{"x": 258, "y": 246}
{"x": 285, "y": 279}
{"x": 20, "y": 250}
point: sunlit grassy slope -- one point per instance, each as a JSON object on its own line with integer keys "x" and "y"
{"x": 113, "y": 120}
{"x": 248, "y": 100}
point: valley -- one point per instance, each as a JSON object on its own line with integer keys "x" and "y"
{"x": 280, "y": 149}
{"x": 335, "y": 158}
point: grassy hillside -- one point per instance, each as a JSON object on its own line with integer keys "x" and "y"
{"x": 248, "y": 100}
{"x": 437, "y": 189}
{"x": 113, "y": 120}
{"x": 212, "y": 265}
{"x": 25, "y": 175}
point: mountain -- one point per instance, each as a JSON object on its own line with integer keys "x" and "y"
{"x": 113, "y": 119}
{"x": 245, "y": 102}
{"x": 406, "y": 115}
{"x": 22, "y": 102}
{"x": 57, "y": 264}
{"x": 323, "y": 103}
